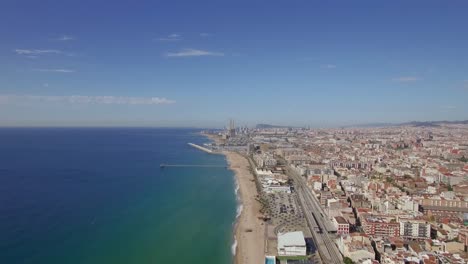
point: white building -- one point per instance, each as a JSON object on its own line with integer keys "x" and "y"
{"x": 291, "y": 244}
{"x": 407, "y": 204}
{"x": 317, "y": 186}
{"x": 261, "y": 172}
{"x": 265, "y": 160}
{"x": 415, "y": 229}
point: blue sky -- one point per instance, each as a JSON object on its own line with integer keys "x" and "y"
{"x": 200, "y": 63}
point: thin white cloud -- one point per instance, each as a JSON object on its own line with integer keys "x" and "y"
{"x": 65, "y": 38}
{"x": 35, "y": 52}
{"x": 84, "y": 99}
{"x": 328, "y": 66}
{"x": 193, "y": 53}
{"x": 55, "y": 70}
{"x": 406, "y": 79}
{"x": 171, "y": 37}
{"x": 206, "y": 34}
{"x": 448, "y": 107}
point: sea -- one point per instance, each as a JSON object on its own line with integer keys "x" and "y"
{"x": 99, "y": 195}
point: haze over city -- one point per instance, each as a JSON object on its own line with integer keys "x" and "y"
{"x": 67, "y": 63}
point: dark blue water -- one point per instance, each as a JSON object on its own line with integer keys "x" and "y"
{"x": 89, "y": 195}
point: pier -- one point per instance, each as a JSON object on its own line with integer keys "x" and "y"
{"x": 201, "y": 148}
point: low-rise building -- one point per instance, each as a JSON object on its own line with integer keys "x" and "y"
{"x": 291, "y": 244}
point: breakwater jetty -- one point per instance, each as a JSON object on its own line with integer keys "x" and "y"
{"x": 201, "y": 148}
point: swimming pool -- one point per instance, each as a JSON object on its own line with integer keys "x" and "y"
{"x": 270, "y": 260}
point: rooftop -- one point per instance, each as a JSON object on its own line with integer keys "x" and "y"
{"x": 340, "y": 220}
{"x": 291, "y": 239}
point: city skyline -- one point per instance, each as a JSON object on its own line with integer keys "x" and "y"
{"x": 199, "y": 64}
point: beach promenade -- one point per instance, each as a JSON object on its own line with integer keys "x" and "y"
{"x": 250, "y": 231}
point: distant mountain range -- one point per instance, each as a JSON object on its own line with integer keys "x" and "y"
{"x": 263, "y": 126}
{"x": 412, "y": 123}
{"x": 435, "y": 123}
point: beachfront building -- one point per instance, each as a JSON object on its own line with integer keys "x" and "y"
{"x": 274, "y": 185}
{"x": 265, "y": 160}
{"x": 291, "y": 244}
{"x": 264, "y": 173}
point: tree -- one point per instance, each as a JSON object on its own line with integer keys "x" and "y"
{"x": 348, "y": 260}
{"x": 449, "y": 188}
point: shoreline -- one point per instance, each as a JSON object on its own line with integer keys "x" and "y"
{"x": 249, "y": 231}
{"x": 214, "y": 138}
{"x": 248, "y": 244}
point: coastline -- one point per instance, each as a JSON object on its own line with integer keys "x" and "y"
{"x": 249, "y": 231}
{"x": 216, "y": 139}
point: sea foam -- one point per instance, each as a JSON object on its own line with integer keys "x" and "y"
{"x": 236, "y": 189}
{"x": 234, "y": 246}
{"x": 239, "y": 210}
{"x": 239, "y": 202}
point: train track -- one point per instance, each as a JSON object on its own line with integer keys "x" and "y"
{"x": 327, "y": 249}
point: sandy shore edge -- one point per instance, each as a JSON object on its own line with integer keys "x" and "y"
{"x": 249, "y": 231}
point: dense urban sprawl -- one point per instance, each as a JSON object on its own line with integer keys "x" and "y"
{"x": 383, "y": 195}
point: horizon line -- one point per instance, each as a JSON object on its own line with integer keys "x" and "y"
{"x": 377, "y": 124}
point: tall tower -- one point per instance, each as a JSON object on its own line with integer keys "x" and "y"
{"x": 232, "y": 128}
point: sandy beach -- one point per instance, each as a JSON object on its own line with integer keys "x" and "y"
{"x": 250, "y": 231}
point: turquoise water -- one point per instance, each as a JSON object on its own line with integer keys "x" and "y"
{"x": 270, "y": 260}
{"x": 99, "y": 196}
